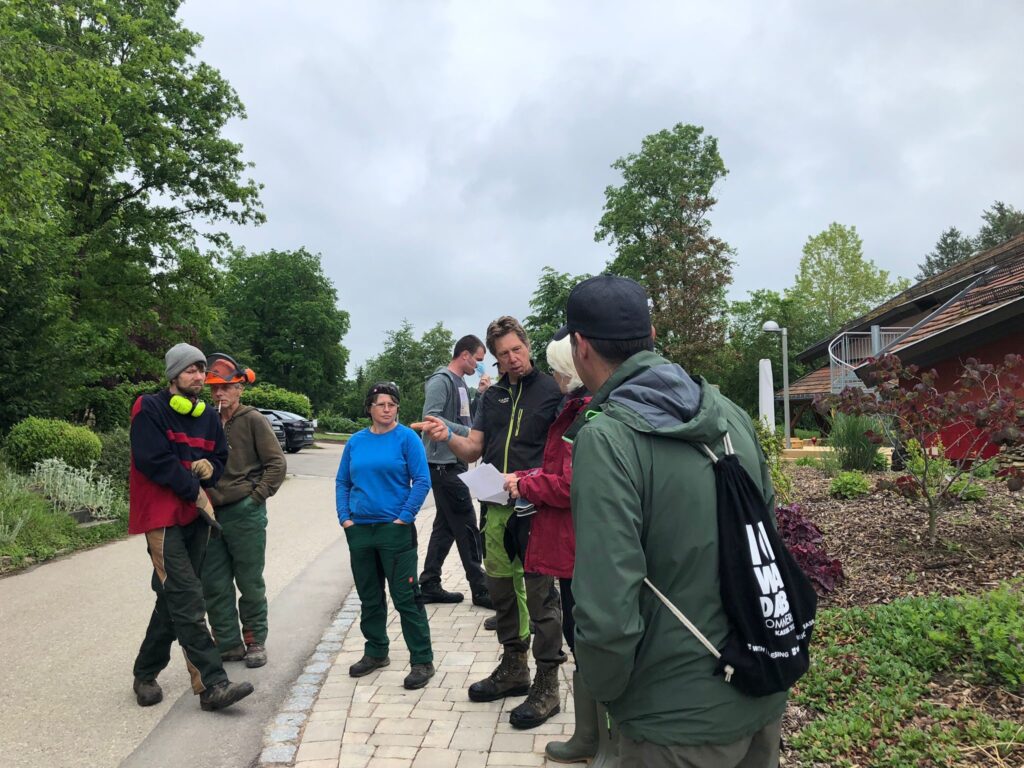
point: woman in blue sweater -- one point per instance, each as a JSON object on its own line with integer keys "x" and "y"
{"x": 382, "y": 481}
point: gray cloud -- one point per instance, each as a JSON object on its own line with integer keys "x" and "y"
{"x": 438, "y": 155}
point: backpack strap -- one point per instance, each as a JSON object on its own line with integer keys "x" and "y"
{"x": 671, "y": 606}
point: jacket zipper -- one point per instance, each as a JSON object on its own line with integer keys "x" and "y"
{"x": 508, "y": 437}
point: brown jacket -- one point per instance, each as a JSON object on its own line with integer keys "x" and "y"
{"x": 256, "y": 464}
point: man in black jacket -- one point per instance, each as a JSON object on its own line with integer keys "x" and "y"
{"x": 509, "y": 432}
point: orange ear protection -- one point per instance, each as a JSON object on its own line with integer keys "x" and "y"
{"x": 222, "y": 369}
{"x": 184, "y": 406}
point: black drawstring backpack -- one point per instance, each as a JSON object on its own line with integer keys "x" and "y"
{"x": 769, "y": 600}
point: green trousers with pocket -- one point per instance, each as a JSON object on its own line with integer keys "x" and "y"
{"x": 235, "y": 557}
{"x": 386, "y": 553}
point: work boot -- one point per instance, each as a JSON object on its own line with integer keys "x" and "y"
{"x": 223, "y": 694}
{"x": 235, "y": 654}
{"x": 491, "y": 623}
{"x": 418, "y": 676}
{"x": 607, "y": 740}
{"x": 510, "y": 678}
{"x": 541, "y": 702}
{"x": 582, "y": 745}
{"x": 147, "y": 692}
{"x": 434, "y": 593}
{"x": 483, "y": 599}
{"x": 367, "y": 664}
{"x": 255, "y": 655}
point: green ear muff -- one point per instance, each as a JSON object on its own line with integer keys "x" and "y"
{"x": 186, "y": 407}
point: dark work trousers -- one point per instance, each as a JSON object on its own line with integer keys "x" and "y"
{"x": 568, "y": 625}
{"x": 236, "y": 555}
{"x": 180, "y": 613}
{"x": 758, "y": 751}
{"x": 386, "y": 552}
{"x": 454, "y": 522}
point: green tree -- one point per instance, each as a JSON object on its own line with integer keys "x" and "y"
{"x": 281, "y": 318}
{"x": 1001, "y": 222}
{"x": 408, "y": 362}
{"x": 548, "y": 315}
{"x": 109, "y": 97}
{"x": 836, "y": 283}
{"x": 657, "y": 221}
{"x": 952, "y": 248}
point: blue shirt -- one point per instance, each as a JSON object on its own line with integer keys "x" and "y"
{"x": 382, "y": 478}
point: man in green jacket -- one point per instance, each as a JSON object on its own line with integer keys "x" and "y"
{"x": 237, "y": 554}
{"x": 644, "y": 506}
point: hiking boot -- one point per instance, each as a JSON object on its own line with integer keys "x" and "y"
{"x": 147, "y": 692}
{"x": 582, "y": 745}
{"x": 419, "y": 676}
{"x": 367, "y": 664}
{"x": 510, "y": 678}
{"x": 491, "y": 623}
{"x": 223, "y": 695}
{"x": 541, "y": 702}
{"x": 435, "y": 594}
{"x": 255, "y": 655}
{"x": 483, "y": 599}
{"x": 235, "y": 654}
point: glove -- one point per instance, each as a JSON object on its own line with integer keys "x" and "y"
{"x": 206, "y": 508}
{"x": 202, "y": 469}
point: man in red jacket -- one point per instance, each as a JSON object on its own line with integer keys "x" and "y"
{"x": 177, "y": 447}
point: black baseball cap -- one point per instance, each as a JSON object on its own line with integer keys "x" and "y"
{"x": 607, "y": 307}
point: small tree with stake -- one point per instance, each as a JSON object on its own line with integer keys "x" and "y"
{"x": 984, "y": 406}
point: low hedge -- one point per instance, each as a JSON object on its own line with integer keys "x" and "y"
{"x": 33, "y": 439}
{"x": 112, "y": 408}
{"x": 277, "y": 399}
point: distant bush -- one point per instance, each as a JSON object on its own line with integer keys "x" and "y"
{"x": 964, "y": 490}
{"x": 984, "y": 470}
{"x": 335, "y": 422}
{"x": 880, "y": 462}
{"x": 33, "y": 440}
{"x": 855, "y": 440}
{"x": 806, "y": 434}
{"x": 115, "y": 456}
{"x": 849, "y": 485}
{"x": 108, "y": 409}
{"x": 771, "y": 447}
{"x": 278, "y": 399}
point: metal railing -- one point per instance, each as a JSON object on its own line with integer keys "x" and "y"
{"x": 849, "y": 350}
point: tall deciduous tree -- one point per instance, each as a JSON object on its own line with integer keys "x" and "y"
{"x": 657, "y": 221}
{"x": 120, "y": 111}
{"x": 408, "y": 362}
{"x": 548, "y": 315}
{"x": 281, "y": 318}
{"x": 836, "y": 283}
{"x": 952, "y": 248}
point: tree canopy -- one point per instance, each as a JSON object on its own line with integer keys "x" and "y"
{"x": 657, "y": 221}
{"x": 548, "y": 310}
{"x": 952, "y": 248}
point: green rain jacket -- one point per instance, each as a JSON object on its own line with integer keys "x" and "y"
{"x": 643, "y": 504}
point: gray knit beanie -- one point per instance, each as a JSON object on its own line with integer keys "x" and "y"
{"x": 181, "y": 356}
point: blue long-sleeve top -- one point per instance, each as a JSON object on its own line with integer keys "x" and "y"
{"x": 382, "y": 478}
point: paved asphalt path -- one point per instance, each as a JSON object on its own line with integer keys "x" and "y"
{"x": 69, "y": 631}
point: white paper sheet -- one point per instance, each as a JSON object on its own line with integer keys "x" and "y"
{"x": 486, "y": 483}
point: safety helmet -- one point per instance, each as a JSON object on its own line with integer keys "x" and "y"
{"x": 222, "y": 369}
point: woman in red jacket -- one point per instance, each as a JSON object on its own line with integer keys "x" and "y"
{"x": 551, "y": 550}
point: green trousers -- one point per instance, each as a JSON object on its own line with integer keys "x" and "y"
{"x": 235, "y": 557}
{"x": 386, "y": 552}
{"x": 177, "y": 556}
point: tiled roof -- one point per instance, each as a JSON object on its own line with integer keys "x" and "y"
{"x": 817, "y": 382}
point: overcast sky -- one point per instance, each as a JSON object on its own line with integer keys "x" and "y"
{"x": 438, "y": 155}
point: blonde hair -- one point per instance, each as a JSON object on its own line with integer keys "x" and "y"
{"x": 559, "y": 354}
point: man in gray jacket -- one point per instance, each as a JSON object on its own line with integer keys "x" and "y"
{"x": 448, "y": 398}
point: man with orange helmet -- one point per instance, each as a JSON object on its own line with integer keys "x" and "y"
{"x": 236, "y": 554}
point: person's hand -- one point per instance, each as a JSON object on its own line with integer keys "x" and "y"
{"x": 432, "y": 427}
{"x": 512, "y": 486}
{"x": 398, "y": 522}
{"x": 202, "y": 469}
{"x": 347, "y": 524}
{"x": 483, "y": 384}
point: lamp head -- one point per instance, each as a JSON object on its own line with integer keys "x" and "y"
{"x": 771, "y": 327}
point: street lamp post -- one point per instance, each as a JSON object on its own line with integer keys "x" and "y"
{"x": 772, "y": 327}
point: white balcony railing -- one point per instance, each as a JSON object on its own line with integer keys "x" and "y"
{"x": 849, "y": 350}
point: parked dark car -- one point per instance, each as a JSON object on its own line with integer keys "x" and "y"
{"x": 278, "y": 426}
{"x": 298, "y": 431}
